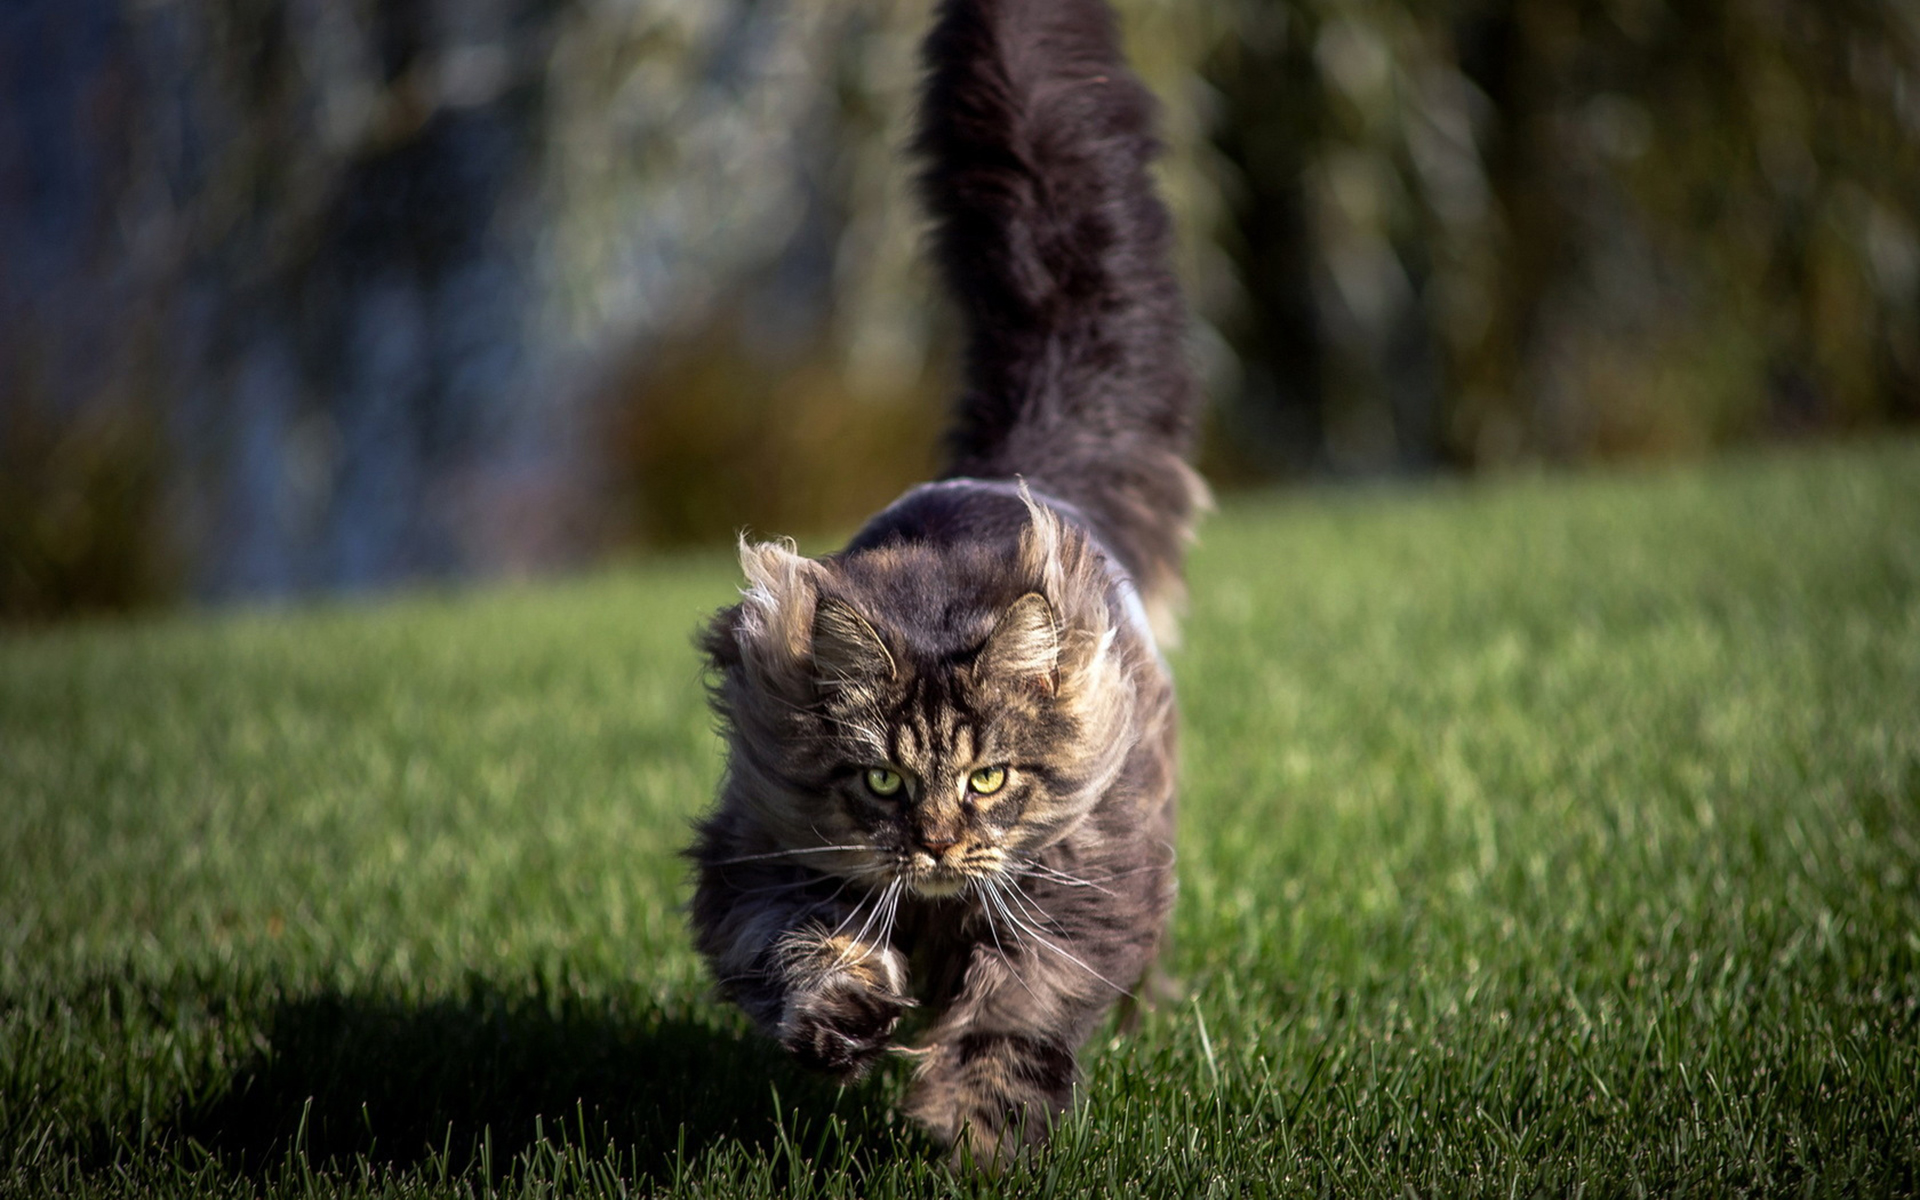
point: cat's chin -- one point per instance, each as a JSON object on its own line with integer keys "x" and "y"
{"x": 939, "y": 886}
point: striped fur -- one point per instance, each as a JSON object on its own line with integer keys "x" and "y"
{"x": 950, "y": 745}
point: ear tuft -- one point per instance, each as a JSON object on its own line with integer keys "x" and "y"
{"x": 1025, "y": 643}
{"x": 845, "y": 646}
{"x": 773, "y": 607}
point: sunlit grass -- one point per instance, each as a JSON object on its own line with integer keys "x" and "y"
{"x": 1536, "y": 836}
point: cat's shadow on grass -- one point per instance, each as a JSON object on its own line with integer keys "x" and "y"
{"x": 480, "y": 1078}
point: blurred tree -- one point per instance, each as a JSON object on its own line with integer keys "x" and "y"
{"x": 363, "y": 396}
{"x": 301, "y": 267}
{"x": 791, "y": 373}
{"x": 734, "y": 206}
{"x": 82, "y": 373}
{"x": 1485, "y": 233}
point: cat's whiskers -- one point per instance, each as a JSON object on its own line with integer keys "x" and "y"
{"x": 743, "y": 858}
{"x": 986, "y": 909}
{"x": 893, "y": 912}
{"x": 1058, "y": 876}
{"x": 859, "y": 940}
{"x": 1031, "y": 907}
{"x": 769, "y": 889}
{"x": 852, "y": 913}
{"x": 988, "y": 859}
{"x": 1011, "y": 889}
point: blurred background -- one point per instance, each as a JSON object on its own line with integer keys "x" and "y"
{"x": 312, "y": 296}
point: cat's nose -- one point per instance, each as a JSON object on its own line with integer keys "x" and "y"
{"x": 937, "y": 847}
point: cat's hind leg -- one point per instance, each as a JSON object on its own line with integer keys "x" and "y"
{"x": 998, "y": 1069}
{"x": 990, "y": 1096}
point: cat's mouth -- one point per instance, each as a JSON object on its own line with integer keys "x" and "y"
{"x": 937, "y": 881}
{"x": 932, "y": 877}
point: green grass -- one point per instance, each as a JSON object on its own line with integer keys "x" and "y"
{"x": 1537, "y": 837}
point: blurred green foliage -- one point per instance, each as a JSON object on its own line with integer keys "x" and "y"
{"x": 671, "y": 246}
{"x": 1480, "y": 234}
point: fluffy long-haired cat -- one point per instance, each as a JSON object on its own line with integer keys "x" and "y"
{"x": 950, "y": 782}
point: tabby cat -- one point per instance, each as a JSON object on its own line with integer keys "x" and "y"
{"x": 950, "y": 778}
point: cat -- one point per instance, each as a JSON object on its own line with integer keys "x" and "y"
{"x": 949, "y": 792}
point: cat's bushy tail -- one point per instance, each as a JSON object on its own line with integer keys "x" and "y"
{"x": 1036, "y": 140}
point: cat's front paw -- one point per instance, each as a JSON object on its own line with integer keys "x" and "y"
{"x": 844, "y": 1018}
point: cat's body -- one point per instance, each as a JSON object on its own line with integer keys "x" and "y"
{"x": 950, "y": 778}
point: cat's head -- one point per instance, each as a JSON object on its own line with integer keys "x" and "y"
{"x": 939, "y": 715}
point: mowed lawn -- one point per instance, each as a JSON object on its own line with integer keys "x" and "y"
{"x": 1538, "y": 837}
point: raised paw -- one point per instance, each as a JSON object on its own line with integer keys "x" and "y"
{"x": 841, "y": 1019}
{"x": 842, "y": 1027}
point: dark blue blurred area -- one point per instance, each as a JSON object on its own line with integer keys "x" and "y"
{"x": 329, "y": 340}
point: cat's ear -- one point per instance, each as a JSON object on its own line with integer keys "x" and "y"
{"x": 1025, "y": 643}
{"x": 845, "y": 647}
{"x": 776, "y": 604}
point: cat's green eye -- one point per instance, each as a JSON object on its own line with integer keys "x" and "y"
{"x": 882, "y": 782}
{"x": 987, "y": 780}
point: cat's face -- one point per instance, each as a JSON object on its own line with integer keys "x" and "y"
{"x": 899, "y": 722}
{"x": 943, "y": 770}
